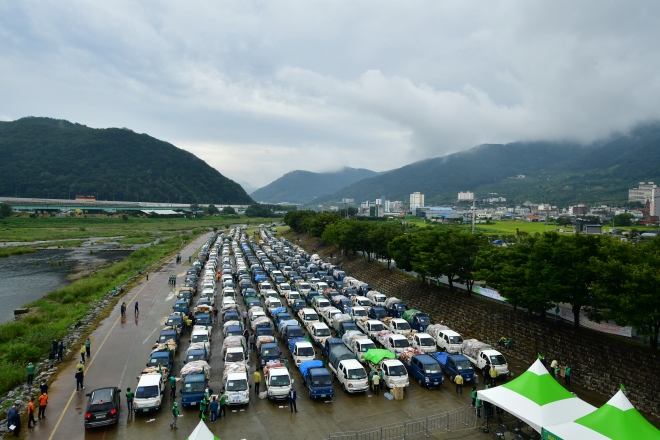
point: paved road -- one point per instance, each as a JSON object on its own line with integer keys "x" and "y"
{"x": 120, "y": 349}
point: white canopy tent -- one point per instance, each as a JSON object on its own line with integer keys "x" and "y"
{"x": 537, "y": 399}
{"x": 616, "y": 420}
{"x": 202, "y": 432}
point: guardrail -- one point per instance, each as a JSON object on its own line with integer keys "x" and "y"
{"x": 464, "y": 417}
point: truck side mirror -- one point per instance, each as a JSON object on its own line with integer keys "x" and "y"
{"x": 147, "y": 365}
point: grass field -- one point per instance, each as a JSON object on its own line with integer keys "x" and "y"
{"x": 509, "y": 227}
{"x": 21, "y": 229}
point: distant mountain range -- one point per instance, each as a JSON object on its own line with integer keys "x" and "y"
{"x": 305, "y": 186}
{"x": 554, "y": 172}
{"x": 43, "y": 157}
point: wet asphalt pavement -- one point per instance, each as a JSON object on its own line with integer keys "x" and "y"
{"x": 121, "y": 347}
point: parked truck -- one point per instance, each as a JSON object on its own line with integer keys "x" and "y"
{"x": 343, "y": 324}
{"x": 301, "y": 350}
{"x": 423, "y": 342}
{"x": 377, "y": 312}
{"x": 370, "y": 327}
{"x": 377, "y": 298}
{"x": 342, "y": 302}
{"x": 192, "y": 389}
{"x": 455, "y": 364}
{"x": 482, "y": 356}
{"x": 268, "y": 352}
{"x": 425, "y": 369}
{"x": 395, "y": 308}
{"x": 396, "y": 343}
{"x": 417, "y": 320}
{"x": 318, "y": 380}
{"x": 358, "y": 343}
{"x": 329, "y": 343}
{"x": 278, "y": 382}
{"x": 397, "y": 325}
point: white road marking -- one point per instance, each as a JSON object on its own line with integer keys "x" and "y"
{"x": 145, "y": 341}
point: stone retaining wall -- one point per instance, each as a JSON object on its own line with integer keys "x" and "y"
{"x": 599, "y": 362}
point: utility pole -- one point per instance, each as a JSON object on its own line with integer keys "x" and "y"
{"x": 474, "y": 215}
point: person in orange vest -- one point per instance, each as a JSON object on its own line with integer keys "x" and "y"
{"x": 30, "y": 411}
{"x": 43, "y": 401}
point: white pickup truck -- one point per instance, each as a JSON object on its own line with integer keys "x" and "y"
{"x": 308, "y": 317}
{"x": 424, "y": 342}
{"x": 396, "y": 343}
{"x": 329, "y": 313}
{"x": 363, "y": 301}
{"x": 394, "y": 373}
{"x": 399, "y": 326}
{"x": 291, "y": 296}
{"x": 278, "y": 383}
{"x": 319, "y": 332}
{"x": 352, "y": 376}
{"x": 263, "y": 287}
{"x": 370, "y": 327}
{"x": 481, "y": 355}
{"x": 377, "y": 298}
{"x": 358, "y": 343}
{"x": 303, "y": 351}
{"x": 449, "y": 341}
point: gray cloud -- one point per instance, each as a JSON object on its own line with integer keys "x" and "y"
{"x": 260, "y": 88}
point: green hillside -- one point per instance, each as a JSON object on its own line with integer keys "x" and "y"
{"x": 48, "y": 157}
{"x": 558, "y": 173}
{"x": 305, "y": 186}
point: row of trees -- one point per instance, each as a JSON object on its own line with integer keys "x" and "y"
{"x": 600, "y": 275}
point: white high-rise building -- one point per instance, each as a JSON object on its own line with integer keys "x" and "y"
{"x": 416, "y": 200}
{"x": 655, "y": 202}
{"x": 467, "y": 195}
{"x": 642, "y": 193}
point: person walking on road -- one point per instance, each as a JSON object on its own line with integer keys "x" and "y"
{"x": 376, "y": 384}
{"x": 214, "y": 410}
{"x": 83, "y": 350}
{"x": 88, "y": 347}
{"x": 137, "y": 309}
{"x": 175, "y": 415}
{"x": 43, "y": 401}
{"x": 130, "y": 395}
{"x": 30, "y": 411}
{"x": 253, "y": 341}
{"x": 459, "y": 384}
{"x": 567, "y": 376}
{"x": 30, "y": 373}
{"x": 147, "y": 275}
{"x": 43, "y": 387}
{"x": 60, "y": 351}
{"x": 223, "y": 404}
{"x": 215, "y": 314}
{"x": 172, "y": 386}
{"x": 80, "y": 377}
{"x": 123, "y": 309}
{"x": 493, "y": 376}
{"x": 246, "y": 335}
{"x": 245, "y": 317}
{"x": 12, "y": 410}
{"x": 474, "y": 397}
{"x": 257, "y": 382}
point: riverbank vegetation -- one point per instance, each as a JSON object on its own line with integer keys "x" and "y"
{"x": 9, "y": 251}
{"x": 30, "y": 338}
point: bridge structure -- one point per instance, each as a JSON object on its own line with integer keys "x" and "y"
{"x": 100, "y": 206}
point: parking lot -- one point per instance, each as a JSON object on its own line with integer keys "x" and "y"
{"x": 121, "y": 346}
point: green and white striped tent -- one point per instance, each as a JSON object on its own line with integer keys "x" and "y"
{"x": 616, "y": 420}
{"x": 202, "y": 432}
{"x": 537, "y": 399}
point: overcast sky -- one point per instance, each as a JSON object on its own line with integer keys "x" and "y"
{"x": 260, "y": 88}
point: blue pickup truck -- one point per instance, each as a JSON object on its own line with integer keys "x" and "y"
{"x": 166, "y": 335}
{"x": 269, "y": 352}
{"x": 192, "y": 389}
{"x": 164, "y": 358}
{"x": 425, "y": 369}
{"x": 454, "y": 364}
{"x": 329, "y": 343}
{"x": 318, "y": 380}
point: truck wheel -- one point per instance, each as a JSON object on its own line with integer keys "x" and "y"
{"x": 419, "y": 381}
{"x": 310, "y": 394}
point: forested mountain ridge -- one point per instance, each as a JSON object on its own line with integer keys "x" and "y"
{"x": 304, "y": 186}
{"x": 554, "y": 172}
{"x": 44, "y": 157}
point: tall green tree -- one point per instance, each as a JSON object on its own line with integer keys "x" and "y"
{"x": 5, "y": 210}
{"x": 381, "y": 236}
{"x": 318, "y": 223}
{"x": 211, "y": 209}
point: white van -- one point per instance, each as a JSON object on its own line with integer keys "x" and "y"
{"x": 149, "y": 393}
{"x": 237, "y": 389}
{"x": 352, "y": 376}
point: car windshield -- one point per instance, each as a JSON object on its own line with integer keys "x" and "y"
{"x": 159, "y": 361}
{"x": 200, "y": 338}
{"x": 147, "y": 392}
{"x": 426, "y": 342}
{"x": 234, "y": 332}
{"x": 203, "y": 321}
{"x": 380, "y": 313}
{"x": 397, "y": 370}
{"x": 367, "y": 346}
{"x": 455, "y": 340}
{"x": 400, "y": 343}
{"x": 295, "y": 333}
{"x": 323, "y": 332}
{"x": 402, "y": 326}
{"x": 463, "y": 365}
{"x": 424, "y": 320}
{"x": 306, "y": 351}
{"x": 195, "y": 387}
{"x": 305, "y": 286}
{"x": 432, "y": 368}
{"x": 400, "y": 307}
{"x": 323, "y": 381}
{"x": 285, "y": 287}
{"x": 359, "y": 312}
{"x": 280, "y": 381}
{"x": 195, "y": 357}
{"x": 270, "y": 352}
{"x": 498, "y": 360}
{"x": 357, "y": 374}
{"x": 237, "y": 385}
{"x": 234, "y": 357}
{"x": 174, "y": 321}
{"x": 293, "y": 295}
{"x": 364, "y": 302}
{"x": 376, "y": 327}
{"x": 311, "y": 317}
{"x": 165, "y": 338}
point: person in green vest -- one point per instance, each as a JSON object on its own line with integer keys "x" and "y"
{"x": 474, "y": 397}
{"x": 381, "y": 374}
{"x": 175, "y": 415}
{"x": 567, "y": 376}
{"x": 479, "y": 406}
{"x": 202, "y": 408}
{"x": 88, "y": 347}
{"x": 223, "y": 404}
{"x": 172, "y": 386}
{"x": 129, "y": 400}
{"x": 30, "y": 373}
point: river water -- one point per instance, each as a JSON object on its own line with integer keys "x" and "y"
{"x": 28, "y": 277}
